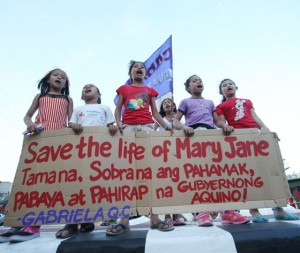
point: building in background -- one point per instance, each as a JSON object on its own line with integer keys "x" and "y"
{"x": 5, "y": 189}
{"x": 294, "y": 183}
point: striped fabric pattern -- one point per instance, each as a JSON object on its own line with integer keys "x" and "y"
{"x": 53, "y": 111}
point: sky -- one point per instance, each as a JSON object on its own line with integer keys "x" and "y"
{"x": 253, "y": 42}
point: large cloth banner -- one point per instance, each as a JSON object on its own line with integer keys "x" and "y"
{"x": 68, "y": 178}
{"x": 159, "y": 70}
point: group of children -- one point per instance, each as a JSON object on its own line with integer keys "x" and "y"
{"x": 55, "y": 111}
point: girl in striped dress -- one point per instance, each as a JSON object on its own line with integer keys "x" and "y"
{"x": 53, "y": 104}
{"x": 54, "y": 108}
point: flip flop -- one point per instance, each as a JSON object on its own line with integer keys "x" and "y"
{"x": 287, "y": 216}
{"x": 162, "y": 228}
{"x": 86, "y": 228}
{"x": 71, "y": 228}
{"x": 178, "y": 223}
{"x": 260, "y": 219}
{"x": 114, "y": 227}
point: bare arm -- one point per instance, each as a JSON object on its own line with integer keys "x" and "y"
{"x": 31, "y": 126}
{"x": 176, "y": 121}
{"x": 188, "y": 131}
{"x": 220, "y": 122}
{"x": 70, "y": 108}
{"x": 118, "y": 113}
{"x": 261, "y": 124}
{"x": 76, "y": 127}
{"x": 258, "y": 121}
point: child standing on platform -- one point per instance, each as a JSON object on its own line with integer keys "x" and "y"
{"x": 54, "y": 108}
{"x": 200, "y": 114}
{"x": 168, "y": 111}
{"x": 240, "y": 113}
{"x": 137, "y": 100}
{"x": 93, "y": 113}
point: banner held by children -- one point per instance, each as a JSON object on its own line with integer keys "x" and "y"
{"x": 68, "y": 178}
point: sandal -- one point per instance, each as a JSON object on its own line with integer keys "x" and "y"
{"x": 260, "y": 219}
{"x": 178, "y": 222}
{"x": 122, "y": 229}
{"x": 160, "y": 225}
{"x": 72, "y": 230}
{"x": 86, "y": 228}
{"x": 286, "y": 216}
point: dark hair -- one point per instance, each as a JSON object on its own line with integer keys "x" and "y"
{"x": 187, "y": 83}
{"x": 99, "y": 98}
{"x": 161, "y": 109}
{"x": 131, "y": 63}
{"x": 220, "y": 88}
{"x": 44, "y": 86}
{"x": 98, "y": 91}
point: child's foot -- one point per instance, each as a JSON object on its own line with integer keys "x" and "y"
{"x": 260, "y": 219}
{"x": 204, "y": 219}
{"x": 25, "y": 234}
{"x": 177, "y": 220}
{"x": 232, "y": 217}
{"x": 67, "y": 231}
{"x": 280, "y": 214}
{"x": 116, "y": 229}
{"x": 168, "y": 217}
{"x": 164, "y": 226}
{"x": 5, "y": 237}
{"x": 257, "y": 217}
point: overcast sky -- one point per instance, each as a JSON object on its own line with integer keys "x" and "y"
{"x": 253, "y": 42}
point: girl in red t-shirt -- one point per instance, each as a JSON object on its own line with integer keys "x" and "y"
{"x": 239, "y": 113}
{"x": 137, "y": 99}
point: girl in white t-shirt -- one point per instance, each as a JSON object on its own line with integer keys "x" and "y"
{"x": 90, "y": 114}
{"x": 167, "y": 111}
{"x": 93, "y": 113}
